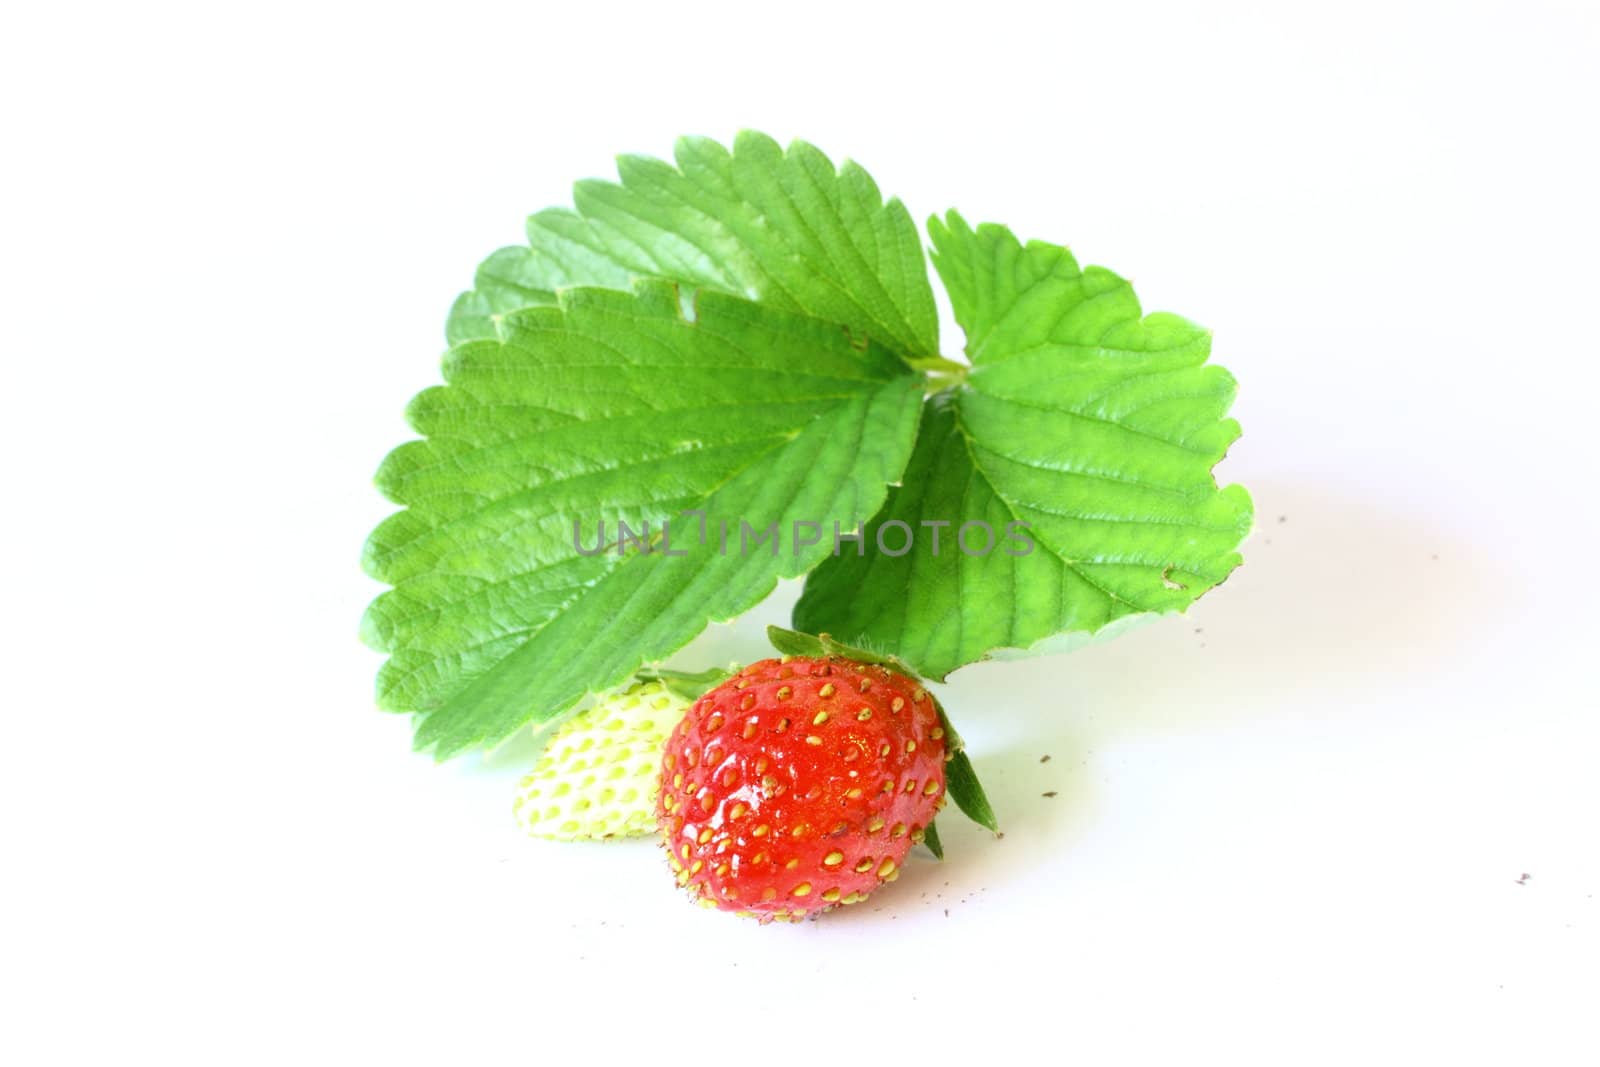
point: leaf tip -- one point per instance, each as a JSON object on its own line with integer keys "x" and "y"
{"x": 749, "y": 142}
{"x": 371, "y": 630}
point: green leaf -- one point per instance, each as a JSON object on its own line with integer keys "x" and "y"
{"x": 512, "y": 279}
{"x": 781, "y": 227}
{"x": 1094, "y": 425}
{"x": 612, "y": 406}
{"x": 930, "y": 837}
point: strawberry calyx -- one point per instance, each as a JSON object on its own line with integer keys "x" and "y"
{"x": 687, "y": 685}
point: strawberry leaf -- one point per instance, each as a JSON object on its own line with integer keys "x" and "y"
{"x": 930, "y": 837}
{"x": 739, "y": 339}
{"x": 613, "y": 406}
{"x": 1091, "y": 423}
{"x": 781, "y": 227}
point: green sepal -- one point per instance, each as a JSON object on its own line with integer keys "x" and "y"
{"x": 961, "y": 780}
{"x": 688, "y": 685}
{"x": 930, "y": 837}
{"x": 800, "y": 643}
{"x": 795, "y": 643}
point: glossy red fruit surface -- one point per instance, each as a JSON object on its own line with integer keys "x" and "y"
{"x": 799, "y": 785}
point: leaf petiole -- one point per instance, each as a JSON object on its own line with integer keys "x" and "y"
{"x": 942, "y": 373}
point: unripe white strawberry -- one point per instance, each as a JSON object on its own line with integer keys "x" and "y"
{"x": 601, "y": 770}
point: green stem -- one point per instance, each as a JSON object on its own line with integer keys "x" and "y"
{"x": 936, "y": 363}
{"x": 942, "y": 373}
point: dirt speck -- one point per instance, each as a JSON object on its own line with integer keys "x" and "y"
{"x": 1051, "y": 793}
{"x": 1044, "y": 759}
{"x": 1524, "y": 879}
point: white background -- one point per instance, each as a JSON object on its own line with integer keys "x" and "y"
{"x": 1343, "y": 813}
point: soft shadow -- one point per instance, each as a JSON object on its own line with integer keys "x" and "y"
{"x": 1337, "y": 595}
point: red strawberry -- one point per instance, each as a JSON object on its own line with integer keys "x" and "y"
{"x": 800, "y": 784}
